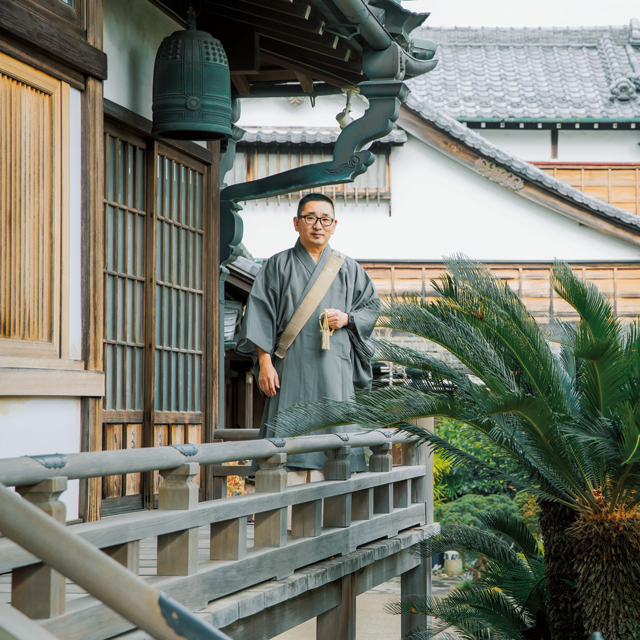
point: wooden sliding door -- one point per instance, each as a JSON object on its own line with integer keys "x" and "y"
{"x": 154, "y": 305}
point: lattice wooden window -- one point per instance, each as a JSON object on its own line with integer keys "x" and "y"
{"x": 34, "y": 205}
{"x": 125, "y": 226}
{"x": 261, "y": 160}
{"x": 179, "y": 287}
{"x": 617, "y": 184}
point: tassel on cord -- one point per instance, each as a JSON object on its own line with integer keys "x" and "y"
{"x": 326, "y": 331}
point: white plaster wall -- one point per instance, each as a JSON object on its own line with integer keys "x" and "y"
{"x": 133, "y": 31}
{"x": 530, "y": 145}
{"x": 598, "y": 146}
{"x": 75, "y": 231}
{"x": 440, "y": 208}
{"x": 36, "y": 426}
{"x": 278, "y": 112}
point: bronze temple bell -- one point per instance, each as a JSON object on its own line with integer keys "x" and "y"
{"x": 191, "y": 86}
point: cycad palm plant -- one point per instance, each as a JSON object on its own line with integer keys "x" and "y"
{"x": 570, "y": 416}
{"x": 507, "y": 602}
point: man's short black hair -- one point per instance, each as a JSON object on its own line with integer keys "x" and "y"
{"x": 315, "y": 197}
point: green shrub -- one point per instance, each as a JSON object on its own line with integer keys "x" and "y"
{"x": 467, "y": 509}
{"x": 460, "y": 480}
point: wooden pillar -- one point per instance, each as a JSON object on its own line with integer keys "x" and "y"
{"x": 92, "y": 274}
{"x": 382, "y": 462}
{"x": 214, "y": 341}
{"x": 37, "y": 590}
{"x": 178, "y": 551}
{"x": 421, "y": 488}
{"x": 337, "y": 509}
{"x": 417, "y": 581}
{"x": 271, "y": 526}
{"x": 339, "y": 623}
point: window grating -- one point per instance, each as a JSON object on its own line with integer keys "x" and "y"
{"x": 125, "y": 220}
{"x": 30, "y": 205}
{"x": 615, "y": 184}
{"x": 179, "y": 287}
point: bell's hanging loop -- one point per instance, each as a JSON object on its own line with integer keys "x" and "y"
{"x": 192, "y": 86}
{"x": 191, "y": 18}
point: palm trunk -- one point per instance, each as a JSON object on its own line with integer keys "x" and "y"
{"x": 562, "y": 607}
{"x": 607, "y": 569}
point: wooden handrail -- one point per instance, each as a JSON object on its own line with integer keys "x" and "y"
{"x": 101, "y": 576}
{"x": 28, "y": 470}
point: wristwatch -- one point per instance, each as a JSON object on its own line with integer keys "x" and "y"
{"x": 352, "y": 323}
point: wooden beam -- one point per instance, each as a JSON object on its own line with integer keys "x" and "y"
{"x": 326, "y": 45}
{"x": 296, "y": 9}
{"x": 260, "y": 16}
{"x": 310, "y": 60}
{"x": 63, "y": 42}
{"x": 288, "y": 614}
{"x": 241, "y": 83}
{"x": 273, "y": 75}
{"x": 306, "y": 82}
{"x": 15, "y": 48}
{"x": 453, "y": 148}
{"x": 271, "y": 53}
{"x": 20, "y": 381}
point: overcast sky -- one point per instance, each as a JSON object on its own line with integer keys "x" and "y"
{"x": 525, "y": 13}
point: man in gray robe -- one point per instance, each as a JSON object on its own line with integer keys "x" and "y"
{"x": 307, "y": 373}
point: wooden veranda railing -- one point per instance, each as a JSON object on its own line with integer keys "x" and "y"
{"x": 197, "y": 554}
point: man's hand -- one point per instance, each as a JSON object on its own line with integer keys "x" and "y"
{"x": 337, "y": 319}
{"x": 268, "y": 380}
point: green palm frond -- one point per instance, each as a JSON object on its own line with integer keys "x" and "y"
{"x": 473, "y": 611}
{"x": 468, "y": 539}
{"x": 514, "y": 530}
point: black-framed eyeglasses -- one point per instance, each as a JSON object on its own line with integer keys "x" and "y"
{"x": 310, "y": 219}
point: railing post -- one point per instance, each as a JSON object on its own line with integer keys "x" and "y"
{"x": 417, "y": 581}
{"x": 37, "y": 590}
{"x": 271, "y": 526}
{"x": 228, "y": 539}
{"x": 382, "y": 462}
{"x": 127, "y": 554}
{"x": 178, "y": 551}
{"x": 337, "y": 509}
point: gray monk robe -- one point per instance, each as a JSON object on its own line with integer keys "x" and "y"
{"x": 307, "y": 373}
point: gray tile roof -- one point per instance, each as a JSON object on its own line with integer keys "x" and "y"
{"x": 541, "y": 74}
{"x": 518, "y": 166}
{"x": 308, "y": 135}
